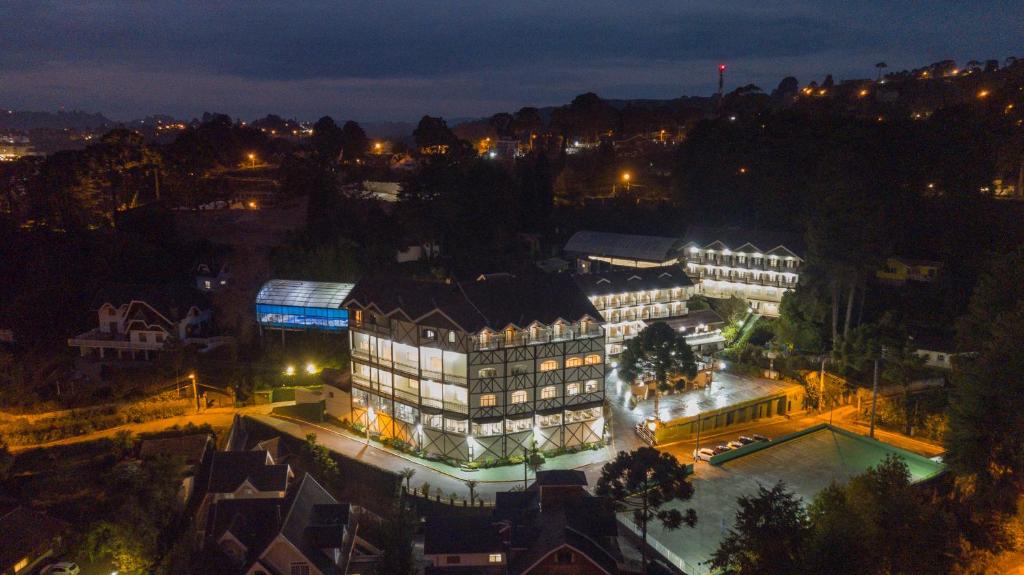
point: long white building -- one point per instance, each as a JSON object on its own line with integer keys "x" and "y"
{"x": 758, "y": 266}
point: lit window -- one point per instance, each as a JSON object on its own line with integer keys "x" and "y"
{"x": 548, "y": 392}
{"x": 451, "y": 337}
{"x": 207, "y": 284}
{"x": 488, "y": 372}
{"x": 571, "y": 362}
{"x": 519, "y": 396}
{"x": 510, "y": 336}
{"x": 590, "y": 386}
{"x": 548, "y": 365}
{"x": 488, "y": 400}
{"x": 494, "y": 558}
{"x": 572, "y": 389}
{"x": 359, "y": 315}
{"x": 429, "y": 334}
{"x": 593, "y": 359}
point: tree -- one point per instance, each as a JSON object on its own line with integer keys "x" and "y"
{"x": 881, "y": 66}
{"x": 406, "y": 473}
{"x": 471, "y": 485}
{"x": 903, "y": 365}
{"x": 6, "y": 460}
{"x": 643, "y": 481}
{"x": 354, "y": 143}
{"x": 661, "y": 353}
{"x": 838, "y": 539}
{"x": 324, "y": 465}
{"x": 327, "y": 140}
{"x": 767, "y": 537}
{"x": 396, "y": 541}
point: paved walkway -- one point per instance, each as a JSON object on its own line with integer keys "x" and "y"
{"x": 449, "y": 479}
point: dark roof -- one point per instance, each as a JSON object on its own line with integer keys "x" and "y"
{"x": 448, "y": 534}
{"x": 642, "y": 279}
{"x": 309, "y": 517}
{"x": 230, "y": 469}
{"x": 254, "y": 522}
{"x": 275, "y": 447}
{"x": 191, "y": 447}
{"x": 560, "y": 477}
{"x": 26, "y": 533}
{"x": 493, "y": 302}
{"x": 583, "y": 523}
{"x": 172, "y": 299}
{"x": 238, "y": 435}
{"x": 735, "y": 237}
{"x": 315, "y": 521}
{"x": 707, "y": 317}
{"x": 625, "y": 246}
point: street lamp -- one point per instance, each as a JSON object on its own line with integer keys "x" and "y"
{"x": 252, "y": 158}
{"x": 289, "y": 370}
{"x": 310, "y": 368}
{"x": 195, "y": 389}
{"x": 626, "y": 177}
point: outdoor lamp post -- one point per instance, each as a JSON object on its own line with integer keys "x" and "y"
{"x": 195, "y": 389}
{"x": 369, "y": 421}
{"x": 252, "y": 158}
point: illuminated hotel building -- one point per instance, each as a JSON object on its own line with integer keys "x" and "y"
{"x": 480, "y": 369}
{"x": 757, "y": 266}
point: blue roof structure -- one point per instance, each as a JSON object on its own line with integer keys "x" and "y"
{"x": 302, "y": 305}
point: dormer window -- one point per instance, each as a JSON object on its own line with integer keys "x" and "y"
{"x": 428, "y": 335}
{"x": 510, "y": 336}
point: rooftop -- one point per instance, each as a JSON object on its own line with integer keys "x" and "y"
{"x": 632, "y": 280}
{"x": 806, "y": 461}
{"x": 298, "y": 293}
{"x": 735, "y": 237}
{"x": 625, "y": 246}
{"x": 495, "y": 301}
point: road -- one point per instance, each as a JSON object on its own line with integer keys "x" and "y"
{"x": 218, "y": 418}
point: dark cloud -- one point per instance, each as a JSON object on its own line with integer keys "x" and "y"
{"x": 409, "y": 58}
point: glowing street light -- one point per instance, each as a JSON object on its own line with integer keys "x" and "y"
{"x": 983, "y": 94}
{"x": 252, "y": 158}
{"x": 289, "y": 370}
{"x": 626, "y": 177}
{"x": 310, "y": 368}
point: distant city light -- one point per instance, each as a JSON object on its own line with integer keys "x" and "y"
{"x": 983, "y": 94}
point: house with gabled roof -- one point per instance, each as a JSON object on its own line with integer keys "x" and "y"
{"x": 139, "y": 321}
{"x": 555, "y": 526}
{"x": 477, "y": 369}
{"x": 242, "y": 475}
{"x": 308, "y": 532}
{"x": 756, "y": 265}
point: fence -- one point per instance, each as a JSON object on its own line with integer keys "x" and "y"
{"x": 447, "y": 499}
{"x": 666, "y": 553}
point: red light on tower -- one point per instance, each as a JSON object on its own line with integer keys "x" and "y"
{"x": 721, "y": 67}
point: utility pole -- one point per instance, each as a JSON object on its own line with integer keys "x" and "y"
{"x": 821, "y": 384}
{"x": 721, "y": 83}
{"x": 874, "y": 401}
{"x": 526, "y": 467}
{"x": 195, "y": 389}
{"x": 696, "y": 448}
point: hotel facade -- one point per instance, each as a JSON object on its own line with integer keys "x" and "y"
{"x": 757, "y": 266}
{"x": 477, "y": 370}
{"x": 630, "y": 300}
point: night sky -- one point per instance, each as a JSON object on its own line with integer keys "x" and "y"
{"x": 399, "y": 60}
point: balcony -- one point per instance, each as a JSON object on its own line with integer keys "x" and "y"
{"x": 456, "y": 406}
{"x": 408, "y": 367}
{"x": 361, "y": 354}
{"x": 454, "y": 378}
{"x": 373, "y": 328}
{"x": 431, "y": 402}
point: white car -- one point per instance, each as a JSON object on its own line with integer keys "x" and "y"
{"x": 734, "y": 444}
{"x": 703, "y": 454}
{"x": 62, "y": 568}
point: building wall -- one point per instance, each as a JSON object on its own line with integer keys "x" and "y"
{"x": 565, "y": 561}
{"x": 762, "y": 279}
{"x": 280, "y": 555}
{"x": 788, "y": 401}
{"x": 450, "y": 396}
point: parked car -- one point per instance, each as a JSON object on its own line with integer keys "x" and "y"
{"x": 735, "y": 444}
{"x": 760, "y": 437}
{"x": 721, "y": 449}
{"x": 703, "y": 454}
{"x": 746, "y": 440}
{"x": 62, "y": 568}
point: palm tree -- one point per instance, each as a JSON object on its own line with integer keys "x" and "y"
{"x": 471, "y": 484}
{"x": 881, "y": 65}
{"x": 406, "y": 473}
{"x": 659, "y": 352}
